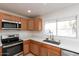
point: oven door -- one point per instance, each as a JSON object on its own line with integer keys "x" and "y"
{"x": 13, "y": 50}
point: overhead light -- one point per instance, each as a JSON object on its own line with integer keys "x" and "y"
{"x": 29, "y": 11}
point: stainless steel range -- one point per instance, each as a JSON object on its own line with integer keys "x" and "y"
{"x": 12, "y": 45}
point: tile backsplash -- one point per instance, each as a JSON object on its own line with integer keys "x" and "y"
{"x": 22, "y": 34}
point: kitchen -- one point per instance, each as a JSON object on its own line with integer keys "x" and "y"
{"x": 40, "y": 29}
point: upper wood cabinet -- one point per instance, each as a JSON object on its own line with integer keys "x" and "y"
{"x": 38, "y": 24}
{"x": 10, "y": 17}
{"x": 30, "y": 24}
{"x": 26, "y": 45}
{"x": 34, "y": 24}
{"x": 15, "y": 18}
{"x": 0, "y": 51}
{"x": 23, "y": 24}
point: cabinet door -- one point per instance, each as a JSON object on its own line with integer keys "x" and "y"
{"x": 15, "y": 18}
{"x": 23, "y": 24}
{"x": 54, "y": 52}
{"x": 34, "y": 48}
{"x": 30, "y": 24}
{"x": 0, "y": 22}
{"x": 38, "y": 24}
{"x": 43, "y": 51}
{"x": 10, "y": 17}
{"x": 6, "y": 16}
{"x": 26, "y": 47}
{"x": 0, "y": 51}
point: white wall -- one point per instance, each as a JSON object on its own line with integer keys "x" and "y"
{"x": 65, "y": 12}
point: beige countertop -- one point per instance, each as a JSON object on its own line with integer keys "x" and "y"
{"x": 0, "y": 44}
{"x": 74, "y": 47}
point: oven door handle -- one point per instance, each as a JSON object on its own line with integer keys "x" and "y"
{"x": 12, "y": 45}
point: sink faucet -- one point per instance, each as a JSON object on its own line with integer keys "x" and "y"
{"x": 59, "y": 41}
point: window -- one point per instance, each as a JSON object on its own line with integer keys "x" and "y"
{"x": 50, "y": 28}
{"x": 66, "y": 28}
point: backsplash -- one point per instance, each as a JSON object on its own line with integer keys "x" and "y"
{"x": 22, "y": 34}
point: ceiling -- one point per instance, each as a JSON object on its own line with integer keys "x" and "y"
{"x": 37, "y": 9}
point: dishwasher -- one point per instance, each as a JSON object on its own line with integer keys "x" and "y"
{"x": 68, "y": 53}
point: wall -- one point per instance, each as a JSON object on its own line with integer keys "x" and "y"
{"x": 65, "y": 12}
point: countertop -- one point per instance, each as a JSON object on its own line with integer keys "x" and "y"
{"x": 0, "y": 44}
{"x": 73, "y": 48}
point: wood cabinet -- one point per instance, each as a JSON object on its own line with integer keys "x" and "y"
{"x": 34, "y": 24}
{"x": 0, "y": 22}
{"x": 26, "y": 45}
{"x": 38, "y": 24}
{"x": 51, "y": 52}
{"x": 15, "y": 18}
{"x": 38, "y": 48}
{"x": 10, "y": 17}
{"x": 54, "y": 51}
{"x": 35, "y": 48}
{"x": 0, "y": 51}
{"x": 30, "y": 24}
{"x": 6, "y": 16}
{"x": 43, "y": 51}
{"x": 23, "y": 24}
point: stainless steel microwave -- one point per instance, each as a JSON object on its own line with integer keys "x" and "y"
{"x": 6, "y": 24}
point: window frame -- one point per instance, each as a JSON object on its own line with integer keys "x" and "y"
{"x": 56, "y": 21}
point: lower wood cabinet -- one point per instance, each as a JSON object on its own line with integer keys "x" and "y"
{"x": 48, "y": 50}
{"x": 54, "y": 52}
{"x": 51, "y": 52}
{"x": 34, "y": 48}
{"x": 26, "y": 45}
{"x": 0, "y": 51}
{"x": 0, "y": 22}
{"x": 41, "y": 49}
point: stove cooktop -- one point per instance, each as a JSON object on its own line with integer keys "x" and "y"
{"x": 10, "y": 40}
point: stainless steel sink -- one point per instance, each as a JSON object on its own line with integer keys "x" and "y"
{"x": 52, "y": 41}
